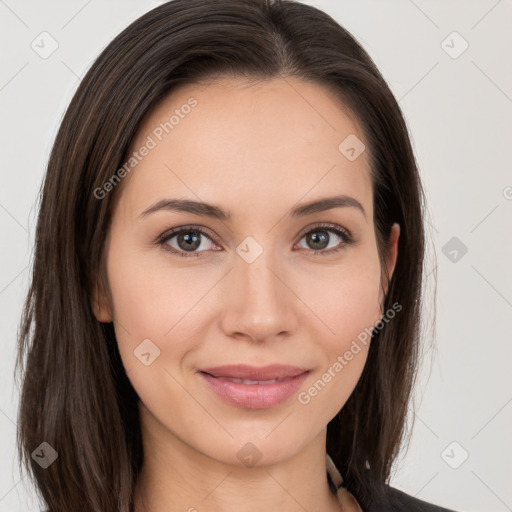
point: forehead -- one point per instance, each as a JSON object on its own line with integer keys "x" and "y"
{"x": 230, "y": 140}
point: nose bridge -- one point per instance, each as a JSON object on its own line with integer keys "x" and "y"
{"x": 259, "y": 281}
{"x": 260, "y": 305}
{"x": 254, "y": 271}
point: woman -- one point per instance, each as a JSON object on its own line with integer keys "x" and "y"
{"x": 224, "y": 311}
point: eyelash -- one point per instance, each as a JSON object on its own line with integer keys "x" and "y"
{"x": 165, "y": 237}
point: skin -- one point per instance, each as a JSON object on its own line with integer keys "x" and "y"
{"x": 256, "y": 150}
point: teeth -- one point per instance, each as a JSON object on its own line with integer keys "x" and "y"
{"x": 248, "y": 381}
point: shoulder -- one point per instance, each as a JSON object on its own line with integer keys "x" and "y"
{"x": 400, "y": 501}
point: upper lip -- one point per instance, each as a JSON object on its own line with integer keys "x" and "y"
{"x": 244, "y": 371}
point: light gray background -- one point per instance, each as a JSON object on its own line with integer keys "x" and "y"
{"x": 459, "y": 114}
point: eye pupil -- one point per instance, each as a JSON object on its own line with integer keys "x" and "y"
{"x": 323, "y": 239}
{"x": 186, "y": 237}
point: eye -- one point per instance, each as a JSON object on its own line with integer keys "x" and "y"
{"x": 319, "y": 239}
{"x": 189, "y": 241}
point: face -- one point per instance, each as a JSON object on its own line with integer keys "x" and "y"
{"x": 262, "y": 282}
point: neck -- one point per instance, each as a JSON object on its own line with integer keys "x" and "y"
{"x": 175, "y": 476}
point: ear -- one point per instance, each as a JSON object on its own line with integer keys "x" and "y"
{"x": 393, "y": 249}
{"x": 101, "y": 304}
{"x": 391, "y": 257}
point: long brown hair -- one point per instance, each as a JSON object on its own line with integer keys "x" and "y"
{"x": 75, "y": 394}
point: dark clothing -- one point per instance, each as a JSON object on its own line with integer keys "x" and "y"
{"x": 393, "y": 499}
{"x": 402, "y": 502}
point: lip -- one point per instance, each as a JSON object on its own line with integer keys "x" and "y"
{"x": 285, "y": 381}
{"x": 245, "y": 371}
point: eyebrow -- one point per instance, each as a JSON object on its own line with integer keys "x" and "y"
{"x": 215, "y": 212}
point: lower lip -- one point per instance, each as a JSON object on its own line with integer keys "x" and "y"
{"x": 254, "y": 396}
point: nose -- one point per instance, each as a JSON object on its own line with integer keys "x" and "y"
{"x": 259, "y": 303}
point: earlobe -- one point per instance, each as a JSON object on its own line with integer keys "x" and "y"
{"x": 391, "y": 259}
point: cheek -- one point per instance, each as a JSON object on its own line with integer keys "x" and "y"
{"x": 355, "y": 308}
{"x": 156, "y": 300}
{"x": 146, "y": 304}
{"x": 350, "y": 312}
{"x": 345, "y": 299}
{"x": 149, "y": 295}
{"x": 347, "y": 305}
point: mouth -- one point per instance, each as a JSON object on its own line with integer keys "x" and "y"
{"x": 248, "y": 381}
{"x": 254, "y": 388}
{"x": 255, "y": 373}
